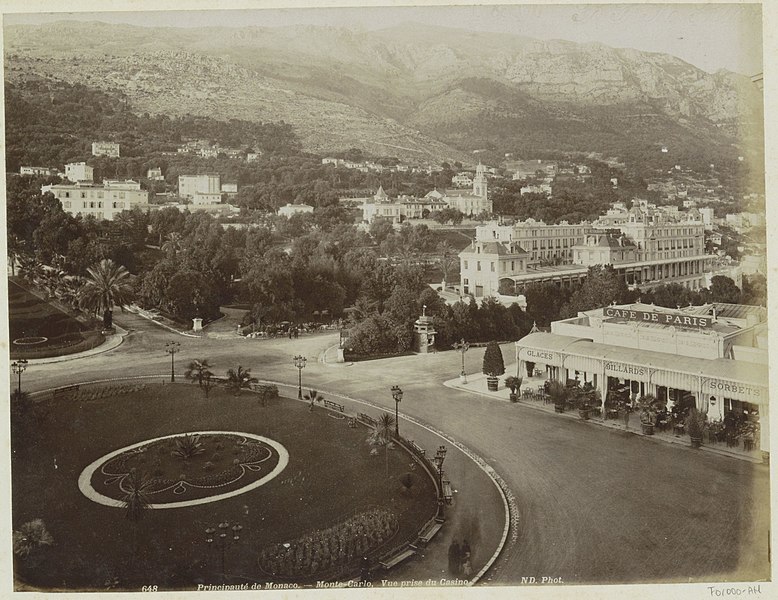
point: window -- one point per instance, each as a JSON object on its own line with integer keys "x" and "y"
{"x": 513, "y": 267}
{"x": 67, "y": 194}
{"x": 91, "y": 205}
{"x": 466, "y": 265}
{"x": 66, "y": 204}
{"x": 478, "y": 266}
{"x": 492, "y": 266}
{"x": 83, "y": 194}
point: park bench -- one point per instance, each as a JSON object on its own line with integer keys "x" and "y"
{"x": 334, "y": 405}
{"x": 66, "y": 391}
{"x": 429, "y": 531}
{"x": 416, "y": 448}
{"x": 447, "y": 494}
{"x": 395, "y": 559}
{"x": 366, "y": 419}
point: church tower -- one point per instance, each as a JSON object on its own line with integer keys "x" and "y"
{"x": 479, "y": 181}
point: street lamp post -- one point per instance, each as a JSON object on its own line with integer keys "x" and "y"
{"x": 171, "y": 348}
{"x": 299, "y": 362}
{"x": 440, "y": 456}
{"x": 223, "y": 540}
{"x": 19, "y": 367}
{"x": 462, "y": 348}
{"x": 397, "y": 394}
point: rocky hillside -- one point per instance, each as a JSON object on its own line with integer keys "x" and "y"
{"x": 411, "y": 91}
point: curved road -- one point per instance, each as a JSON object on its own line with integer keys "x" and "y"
{"x": 596, "y": 505}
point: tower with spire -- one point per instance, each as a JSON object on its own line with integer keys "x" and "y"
{"x": 479, "y": 181}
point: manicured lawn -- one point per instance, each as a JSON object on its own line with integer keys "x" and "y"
{"x": 330, "y": 477}
{"x": 31, "y": 317}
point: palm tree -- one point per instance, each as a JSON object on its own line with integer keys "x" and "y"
{"x": 136, "y": 501}
{"x": 313, "y": 396}
{"x": 198, "y": 370}
{"x": 107, "y": 285}
{"x": 382, "y": 436}
{"x": 239, "y": 378}
{"x": 172, "y": 244}
{"x": 31, "y": 536}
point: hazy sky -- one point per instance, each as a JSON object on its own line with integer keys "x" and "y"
{"x": 710, "y": 36}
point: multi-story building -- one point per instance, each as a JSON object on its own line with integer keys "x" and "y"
{"x": 645, "y": 245}
{"x": 407, "y": 207}
{"x": 293, "y": 209}
{"x": 380, "y": 206}
{"x": 543, "y": 188}
{"x": 483, "y": 264}
{"x": 200, "y": 189}
{"x": 80, "y": 171}
{"x": 229, "y": 188}
{"x": 36, "y": 171}
{"x": 105, "y": 149}
{"x": 462, "y": 180}
{"x": 103, "y": 201}
{"x": 544, "y": 243}
{"x": 155, "y": 174}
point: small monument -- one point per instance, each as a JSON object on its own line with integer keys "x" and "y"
{"x": 423, "y": 333}
{"x": 197, "y": 324}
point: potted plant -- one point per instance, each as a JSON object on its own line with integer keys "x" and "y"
{"x": 530, "y": 366}
{"x": 695, "y": 425}
{"x": 585, "y": 399}
{"x": 648, "y": 409}
{"x": 514, "y": 385}
{"x": 493, "y": 365}
{"x": 558, "y": 394}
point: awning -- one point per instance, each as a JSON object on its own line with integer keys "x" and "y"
{"x": 545, "y": 348}
{"x": 720, "y": 377}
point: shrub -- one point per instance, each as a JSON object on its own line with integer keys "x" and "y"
{"x": 407, "y": 480}
{"x": 493, "y": 362}
{"x": 188, "y": 446}
{"x": 266, "y": 392}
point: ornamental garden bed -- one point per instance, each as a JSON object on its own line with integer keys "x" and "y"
{"x": 53, "y": 331}
{"x": 330, "y": 477}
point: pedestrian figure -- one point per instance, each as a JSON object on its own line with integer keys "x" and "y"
{"x": 365, "y": 569}
{"x": 290, "y": 334}
{"x": 626, "y": 417}
{"x": 454, "y": 557}
{"x": 296, "y": 332}
{"x": 465, "y": 549}
{"x": 467, "y": 568}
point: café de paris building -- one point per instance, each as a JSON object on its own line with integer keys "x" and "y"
{"x": 713, "y": 355}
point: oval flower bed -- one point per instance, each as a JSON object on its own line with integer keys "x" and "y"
{"x": 187, "y": 467}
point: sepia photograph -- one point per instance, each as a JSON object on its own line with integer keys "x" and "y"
{"x": 386, "y": 298}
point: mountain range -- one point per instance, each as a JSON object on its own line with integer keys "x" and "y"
{"x": 412, "y": 91}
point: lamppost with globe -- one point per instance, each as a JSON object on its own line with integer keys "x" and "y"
{"x": 18, "y": 367}
{"x": 171, "y": 348}
{"x": 397, "y": 394}
{"x": 462, "y": 347}
{"x": 299, "y": 362}
{"x": 223, "y": 539}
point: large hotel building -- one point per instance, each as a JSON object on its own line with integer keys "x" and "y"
{"x": 646, "y": 245}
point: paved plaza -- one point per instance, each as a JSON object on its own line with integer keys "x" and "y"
{"x": 595, "y": 504}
